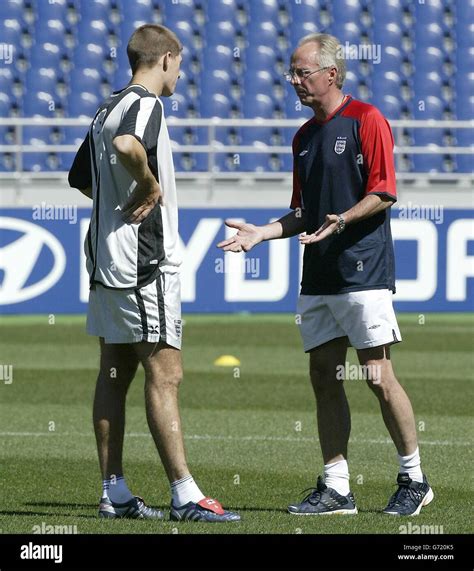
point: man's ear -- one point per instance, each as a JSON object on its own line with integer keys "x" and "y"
{"x": 165, "y": 61}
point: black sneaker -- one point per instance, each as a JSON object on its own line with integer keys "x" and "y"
{"x": 133, "y": 509}
{"x": 323, "y": 500}
{"x": 410, "y": 497}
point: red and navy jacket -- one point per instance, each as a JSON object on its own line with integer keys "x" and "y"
{"x": 337, "y": 163}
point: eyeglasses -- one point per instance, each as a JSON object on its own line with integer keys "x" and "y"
{"x": 301, "y": 74}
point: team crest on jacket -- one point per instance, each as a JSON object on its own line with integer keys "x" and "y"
{"x": 340, "y": 145}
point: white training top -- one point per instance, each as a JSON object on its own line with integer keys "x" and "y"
{"x": 121, "y": 255}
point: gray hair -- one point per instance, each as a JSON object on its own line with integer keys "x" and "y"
{"x": 331, "y": 54}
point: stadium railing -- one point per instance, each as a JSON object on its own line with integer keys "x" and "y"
{"x": 214, "y": 147}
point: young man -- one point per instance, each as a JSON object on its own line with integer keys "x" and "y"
{"x": 125, "y": 165}
{"x": 344, "y": 185}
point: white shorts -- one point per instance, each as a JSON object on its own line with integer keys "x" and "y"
{"x": 151, "y": 313}
{"x": 366, "y": 317}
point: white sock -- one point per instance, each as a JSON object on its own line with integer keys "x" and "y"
{"x": 105, "y": 488}
{"x": 411, "y": 465}
{"x": 336, "y": 476}
{"x": 118, "y": 491}
{"x": 184, "y": 491}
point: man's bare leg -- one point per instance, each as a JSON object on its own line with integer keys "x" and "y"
{"x": 395, "y": 405}
{"x": 163, "y": 375}
{"x": 334, "y": 421}
{"x": 118, "y": 365}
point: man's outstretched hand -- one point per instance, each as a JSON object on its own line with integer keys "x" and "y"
{"x": 328, "y": 228}
{"x": 247, "y": 237}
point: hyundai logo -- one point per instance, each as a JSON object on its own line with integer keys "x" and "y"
{"x": 18, "y": 259}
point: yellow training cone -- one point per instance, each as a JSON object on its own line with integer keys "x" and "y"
{"x": 227, "y": 361}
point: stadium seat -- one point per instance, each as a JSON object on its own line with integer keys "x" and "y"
{"x": 91, "y": 56}
{"x": 216, "y": 81}
{"x": 429, "y": 59}
{"x": 215, "y": 105}
{"x": 465, "y": 60}
{"x": 299, "y": 30}
{"x": 390, "y": 106}
{"x": 39, "y": 103}
{"x": 222, "y": 11}
{"x": 350, "y": 32}
{"x": 46, "y": 55}
{"x": 52, "y": 31}
{"x": 43, "y": 79}
{"x": 57, "y": 10}
{"x": 93, "y": 32}
{"x": 36, "y": 162}
{"x": 121, "y": 77}
{"x": 263, "y": 58}
{"x": 73, "y": 135}
{"x": 36, "y": 136}
{"x": 137, "y": 10}
{"x": 95, "y": 10}
{"x": 262, "y": 33}
{"x": 346, "y": 10}
{"x": 429, "y": 34}
{"x": 220, "y": 33}
{"x": 264, "y": 11}
{"x": 302, "y": 12}
{"x": 465, "y": 105}
{"x": 83, "y": 104}
{"x": 389, "y": 11}
{"x": 388, "y": 34}
{"x": 182, "y": 11}
{"x": 465, "y": 138}
{"x": 258, "y": 105}
{"x": 464, "y": 33}
{"x": 218, "y": 57}
{"x": 429, "y": 12}
{"x": 88, "y": 78}
{"x": 294, "y": 109}
{"x": 427, "y": 84}
{"x": 391, "y": 59}
{"x": 429, "y": 107}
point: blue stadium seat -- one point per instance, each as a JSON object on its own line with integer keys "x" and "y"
{"x": 389, "y": 11}
{"x": 220, "y": 33}
{"x": 52, "y": 31}
{"x": 46, "y": 10}
{"x": 91, "y": 56}
{"x": 122, "y": 77}
{"x": 83, "y": 104}
{"x": 464, "y": 33}
{"x": 259, "y": 81}
{"x": 262, "y": 33}
{"x": 387, "y": 34}
{"x": 7, "y": 78}
{"x": 465, "y": 59}
{"x": 46, "y": 55}
{"x": 429, "y": 59}
{"x": 431, "y": 107}
{"x": 217, "y": 57}
{"x": 347, "y": 32}
{"x": 185, "y": 32}
{"x": 385, "y": 82}
{"x": 137, "y": 10}
{"x": 294, "y": 109}
{"x": 222, "y": 11}
{"x": 389, "y": 105}
{"x": 302, "y": 12}
{"x": 182, "y": 11}
{"x": 391, "y": 59}
{"x": 465, "y": 138}
{"x": 429, "y": 163}
{"x": 258, "y": 105}
{"x": 216, "y": 81}
{"x": 428, "y": 34}
{"x": 73, "y": 135}
{"x": 427, "y": 84}
{"x": 13, "y": 10}
{"x": 95, "y": 10}
{"x": 465, "y": 105}
{"x": 299, "y": 30}
{"x": 215, "y": 105}
{"x": 346, "y": 10}
{"x": 93, "y": 32}
{"x": 36, "y": 136}
{"x": 263, "y": 57}
{"x": 39, "y": 104}
{"x": 264, "y": 11}
{"x": 36, "y": 162}
{"x": 10, "y": 34}
{"x": 465, "y": 11}
{"x": 42, "y": 79}
{"x": 88, "y": 78}
{"x": 429, "y": 12}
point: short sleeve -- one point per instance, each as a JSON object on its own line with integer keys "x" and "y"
{"x": 377, "y": 151}
{"x": 142, "y": 121}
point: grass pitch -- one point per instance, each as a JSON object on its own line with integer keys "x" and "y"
{"x": 250, "y": 432}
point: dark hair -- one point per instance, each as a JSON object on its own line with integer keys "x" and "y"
{"x": 148, "y": 43}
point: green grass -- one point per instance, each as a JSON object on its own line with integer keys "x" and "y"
{"x": 241, "y": 434}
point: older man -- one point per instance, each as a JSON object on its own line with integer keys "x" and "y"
{"x": 344, "y": 186}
